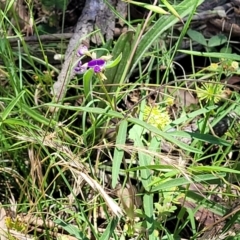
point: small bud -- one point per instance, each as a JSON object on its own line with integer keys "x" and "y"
{"x": 106, "y": 58}
{"x": 82, "y": 51}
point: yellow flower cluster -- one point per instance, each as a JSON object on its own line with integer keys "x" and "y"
{"x": 213, "y": 67}
{"x": 210, "y": 91}
{"x": 234, "y": 65}
{"x": 157, "y": 117}
{"x": 227, "y": 65}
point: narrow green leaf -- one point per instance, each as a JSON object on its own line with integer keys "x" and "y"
{"x": 214, "y": 169}
{"x": 160, "y": 168}
{"x": 13, "y": 122}
{"x": 34, "y": 114}
{"x": 119, "y": 151}
{"x": 144, "y": 155}
{"x": 201, "y": 199}
{"x": 149, "y": 212}
{"x": 144, "y": 161}
{"x": 183, "y": 181}
{"x": 11, "y": 105}
{"x": 87, "y": 84}
{"x": 201, "y": 137}
{"x": 191, "y": 115}
{"x": 71, "y": 229}
{"x": 110, "y": 229}
{"x": 171, "y": 9}
{"x": 150, "y": 7}
{"x": 191, "y": 217}
{"x": 122, "y": 49}
{"x": 212, "y": 54}
{"x": 115, "y": 62}
{"x": 207, "y": 138}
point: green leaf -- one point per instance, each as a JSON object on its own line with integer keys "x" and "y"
{"x": 33, "y": 113}
{"x": 150, "y": 7}
{"x": 87, "y": 84}
{"x": 207, "y": 138}
{"x": 144, "y": 160}
{"x": 10, "y": 106}
{"x": 214, "y": 169}
{"x": 183, "y": 181}
{"x": 114, "y": 62}
{"x": 201, "y": 200}
{"x": 149, "y": 212}
{"x": 13, "y": 122}
{"x": 191, "y": 116}
{"x": 226, "y": 50}
{"x": 212, "y": 54}
{"x": 201, "y": 137}
{"x": 71, "y": 229}
{"x": 122, "y": 50}
{"x": 197, "y": 37}
{"x": 217, "y": 40}
{"x": 171, "y": 9}
{"x": 119, "y": 151}
{"x": 110, "y": 229}
{"x": 160, "y": 168}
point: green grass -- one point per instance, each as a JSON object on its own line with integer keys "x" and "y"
{"x": 90, "y": 169}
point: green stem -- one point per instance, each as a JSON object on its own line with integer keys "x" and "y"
{"x": 106, "y": 93}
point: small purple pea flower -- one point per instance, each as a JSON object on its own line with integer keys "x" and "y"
{"x": 97, "y": 65}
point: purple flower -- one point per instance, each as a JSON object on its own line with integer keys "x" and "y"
{"x": 97, "y": 65}
{"x": 80, "y": 68}
{"x": 82, "y": 51}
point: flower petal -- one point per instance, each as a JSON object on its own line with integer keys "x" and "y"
{"x": 80, "y": 68}
{"x": 96, "y": 62}
{"x": 97, "y": 69}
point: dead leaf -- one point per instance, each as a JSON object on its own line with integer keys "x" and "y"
{"x": 183, "y": 97}
{"x": 234, "y": 80}
{"x": 24, "y": 18}
{"x": 129, "y": 200}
